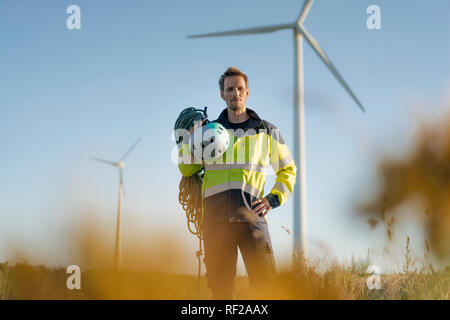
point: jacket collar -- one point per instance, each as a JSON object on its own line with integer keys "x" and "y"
{"x": 254, "y": 119}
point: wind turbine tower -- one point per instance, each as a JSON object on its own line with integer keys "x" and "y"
{"x": 299, "y": 33}
{"x": 118, "y": 244}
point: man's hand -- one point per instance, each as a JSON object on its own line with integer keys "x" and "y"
{"x": 263, "y": 208}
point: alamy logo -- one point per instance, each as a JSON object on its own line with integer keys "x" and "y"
{"x": 236, "y": 154}
{"x": 374, "y": 21}
{"x": 74, "y": 281}
{"x": 74, "y": 20}
{"x": 374, "y": 281}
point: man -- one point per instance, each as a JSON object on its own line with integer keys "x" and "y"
{"x": 234, "y": 206}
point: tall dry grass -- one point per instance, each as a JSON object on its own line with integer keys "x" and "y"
{"x": 302, "y": 280}
{"x": 423, "y": 176}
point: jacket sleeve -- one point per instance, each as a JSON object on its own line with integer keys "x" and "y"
{"x": 186, "y": 162}
{"x": 283, "y": 164}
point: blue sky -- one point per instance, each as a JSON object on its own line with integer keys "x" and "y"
{"x": 68, "y": 95}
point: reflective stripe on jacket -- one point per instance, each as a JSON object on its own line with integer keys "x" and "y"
{"x": 233, "y": 181}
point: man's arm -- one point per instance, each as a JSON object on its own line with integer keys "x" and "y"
{"x": 286, "y": 171}
{"x": 284, "y": 167}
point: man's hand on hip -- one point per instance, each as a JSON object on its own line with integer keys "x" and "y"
{"x": 263, "y": 208}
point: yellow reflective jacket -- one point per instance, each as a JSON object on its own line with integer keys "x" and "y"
{"x": 232, "y": 182}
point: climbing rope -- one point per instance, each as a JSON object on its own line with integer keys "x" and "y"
{"x": 190, "y": 188}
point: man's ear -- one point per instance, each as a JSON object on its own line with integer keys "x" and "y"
{"x": 221, "y": 94}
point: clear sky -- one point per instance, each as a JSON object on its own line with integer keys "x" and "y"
{"x": 68, "y": 95}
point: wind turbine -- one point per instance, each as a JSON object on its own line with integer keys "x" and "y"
{"x": 299, "y": 32}
{"x": 120, "y": 164}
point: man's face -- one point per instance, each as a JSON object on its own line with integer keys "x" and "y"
{"x": 235, "y": 93}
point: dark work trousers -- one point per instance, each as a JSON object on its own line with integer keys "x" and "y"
{"x": 221, "y": 241}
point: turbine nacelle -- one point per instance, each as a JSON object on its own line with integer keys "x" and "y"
{"x": 120, "y": 164}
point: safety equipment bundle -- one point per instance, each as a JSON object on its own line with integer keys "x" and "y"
{"x": 208, "y": 141}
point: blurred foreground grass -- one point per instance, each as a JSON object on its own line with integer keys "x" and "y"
{"x": 24, "y": 281}
{"x": 422, "y": 174}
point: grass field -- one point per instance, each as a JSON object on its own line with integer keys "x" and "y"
{"x": 24, "y": 281}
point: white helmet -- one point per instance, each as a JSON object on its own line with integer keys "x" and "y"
{"x": 209, "y": 142}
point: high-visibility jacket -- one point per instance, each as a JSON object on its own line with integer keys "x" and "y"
{"x": 232, "y": 182}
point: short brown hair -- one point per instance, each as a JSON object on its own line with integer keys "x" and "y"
{"x": 231, "y": 71}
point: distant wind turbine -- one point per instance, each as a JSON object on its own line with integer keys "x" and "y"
{"x": 299, "y": 33}
{"x": 120, "y": 164}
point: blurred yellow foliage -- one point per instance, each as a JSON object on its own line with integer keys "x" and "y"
{"x": 422, "y": 174}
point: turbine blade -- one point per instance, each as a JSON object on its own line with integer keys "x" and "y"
{"x": 313, "y": 43}
{"x": 105, "y": 161}
{"x": 265, "y": 29}
{"x": 306, "y": 7}
{"x": 129, "y": 150}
